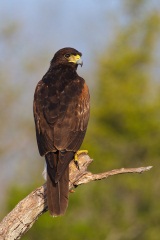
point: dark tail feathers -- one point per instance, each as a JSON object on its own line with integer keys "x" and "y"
{"x": 57, "y": 194}
{"x": 57, "y": 189}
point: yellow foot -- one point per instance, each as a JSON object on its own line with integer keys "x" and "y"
{"x": 78, "y": 153}
{"x": 76, "y": 156}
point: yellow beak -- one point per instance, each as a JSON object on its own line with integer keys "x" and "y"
{"x": 76, "y": 59}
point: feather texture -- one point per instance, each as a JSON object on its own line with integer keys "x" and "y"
{"x": 61, "y": 113}
{"x": 57, "y": 188}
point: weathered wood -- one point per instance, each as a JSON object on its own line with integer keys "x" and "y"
{"x": 27, "y": 211}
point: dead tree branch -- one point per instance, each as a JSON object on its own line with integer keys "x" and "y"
{"x": 27, "y": 211}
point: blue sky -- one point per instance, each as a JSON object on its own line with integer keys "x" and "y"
{"x": 49, "y": 24}
{"x": 81, "y": 24}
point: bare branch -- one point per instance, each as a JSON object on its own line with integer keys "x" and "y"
{"x": 88, "y": 177}
{"x": 27, "y": 211}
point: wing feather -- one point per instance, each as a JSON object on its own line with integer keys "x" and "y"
{"x": 61, "y": 117}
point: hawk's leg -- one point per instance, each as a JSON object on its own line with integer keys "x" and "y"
{"x": 76, "y": 156}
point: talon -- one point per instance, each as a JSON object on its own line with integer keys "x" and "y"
{"x": 78, "y": 153}
{"x": 76, "y": 156}
{"x": 76, "y": 163}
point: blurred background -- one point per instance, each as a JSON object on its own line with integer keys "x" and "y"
{"x": 120, "y": 43}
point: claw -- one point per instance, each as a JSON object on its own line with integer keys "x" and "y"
{"x": 78, "y": 153}
{"x": 76, "y": 157}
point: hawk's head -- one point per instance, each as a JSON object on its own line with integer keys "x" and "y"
{"x": 67, "y": 56}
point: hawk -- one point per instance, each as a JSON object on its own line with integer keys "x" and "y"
{"x": 61, "y": 114}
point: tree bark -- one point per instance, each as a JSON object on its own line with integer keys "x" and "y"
{"x": 27, "y": 211}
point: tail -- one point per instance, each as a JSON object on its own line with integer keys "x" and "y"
{"x": 57, "y": 188}
{"x": 57, "y": 194}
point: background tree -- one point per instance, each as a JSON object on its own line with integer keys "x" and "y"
{"x": 126, "y": 132}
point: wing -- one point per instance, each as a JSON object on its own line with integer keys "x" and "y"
{"x": 61, "y": 117}
{"x": 72, "y": 123}
{"x": 44, "y": 132}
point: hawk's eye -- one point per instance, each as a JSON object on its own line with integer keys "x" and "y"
{"x": 67, "y": 55}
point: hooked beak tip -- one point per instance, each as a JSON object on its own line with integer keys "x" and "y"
{"x": 80, "y": 62}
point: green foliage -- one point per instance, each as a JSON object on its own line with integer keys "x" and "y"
{"x": 127, "y": 102}
{"x": 126, "y": 132}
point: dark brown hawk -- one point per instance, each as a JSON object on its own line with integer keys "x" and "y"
{"x": 61, "y": 113}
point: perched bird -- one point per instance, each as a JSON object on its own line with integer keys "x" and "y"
{"x": 61, "y": 113}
